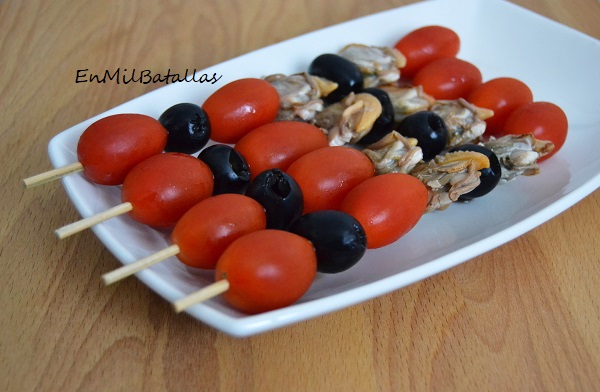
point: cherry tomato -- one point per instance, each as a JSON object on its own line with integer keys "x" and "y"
{"x": 448, "y": 78}
{"x": 423, "y": 45}
{"x": 503, "y": 96}
{"x": 267, "y": 270}
{"x": 545, "y": 120}
{"x": 240, "y": 106}
{"x": 326, "y": 175}
{"x": 109, "y": 148}
{"x": 276, "y": 145}
{"x": 387, "y": 206}
{"x": 165, "y": 186}
{"x": 204, "y": 232}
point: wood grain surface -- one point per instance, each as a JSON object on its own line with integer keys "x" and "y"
{"x": 524, "y": 317}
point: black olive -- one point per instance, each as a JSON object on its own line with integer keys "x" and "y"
{"x": 490, "y": 177}
{"x": 339, "y": 70}
{"x": 338, "y": 238}
{"x": 429, "y": 129}
{"x": 385, "y": 122}
{"x": 188, "y": 128}
{"x": 280, "y": 195}
{"x": 230, "y": 169}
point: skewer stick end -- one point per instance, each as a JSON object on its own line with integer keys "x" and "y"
{"x": 86, "y": 223}
{"x": 51, "y": 175}
{"x": 130, "y": 269}
{"x": 206, "y": 293}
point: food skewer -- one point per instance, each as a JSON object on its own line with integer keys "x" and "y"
{"x": 338, "y": 240}
{"x": 156, "y": 192}
{"x": 109, "y": 148}
{"x": 203, "y": 233}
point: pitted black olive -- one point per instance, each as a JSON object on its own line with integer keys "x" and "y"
{"x": 230, "y": 170}
{"x": 188, "y": 128}
{"x": 490, "y": 177}
{"x": 280, "y": 195}
{"x": 338, "y": 238}
{"x": 385, "y": 122}
{"x": 339, "y": 70}
{"x": 429, "y": 129}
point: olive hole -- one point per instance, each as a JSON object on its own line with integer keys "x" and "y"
{"x": 280, "y": 187}
{"x": 194, "y": 125}
{"x": 238, "y": 165}
{"x": 435, "y": 123}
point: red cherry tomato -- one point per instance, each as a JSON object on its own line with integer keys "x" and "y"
{"x": 326, "y": 175}
{"x": 387, "y": 206}
{"x": 203, "y": 233}
{"x": 503, "y": 96}
{"x": 109, "y": 148}
{"x": 276, "y": 145}
{"x": 448, "y": 78}
{"x": 165, "y": 186}
{"x": 267, "y": 270}
{"x": 423, "y": 45}
{"x": 240, "y": 106}
{"x": 545, "y": 120}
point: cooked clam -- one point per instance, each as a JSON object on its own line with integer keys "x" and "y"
{"x": 465, "y": 121}
{"x": 519, "y": 154}
{"x": 378, "y": 65}
{"x": 394, "y": 154}
{"x": 349, "y": 120}
{"x": 300, "y": 95}
{"x": 407, "y": 100}
{"x": 449, "y": 176}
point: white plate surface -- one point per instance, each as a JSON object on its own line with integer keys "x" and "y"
{"x": 558, "y": 63}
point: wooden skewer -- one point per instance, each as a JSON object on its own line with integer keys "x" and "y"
{"x": 86, "y": 223}
{"x": 52, "y": 175}
{"x": 130, "y": 269}
{"x": 208, "y": 292}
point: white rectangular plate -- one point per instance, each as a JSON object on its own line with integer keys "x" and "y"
{"x": 502, "y": 40}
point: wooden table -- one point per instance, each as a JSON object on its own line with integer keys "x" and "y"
{"x": 525, "y": 316}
